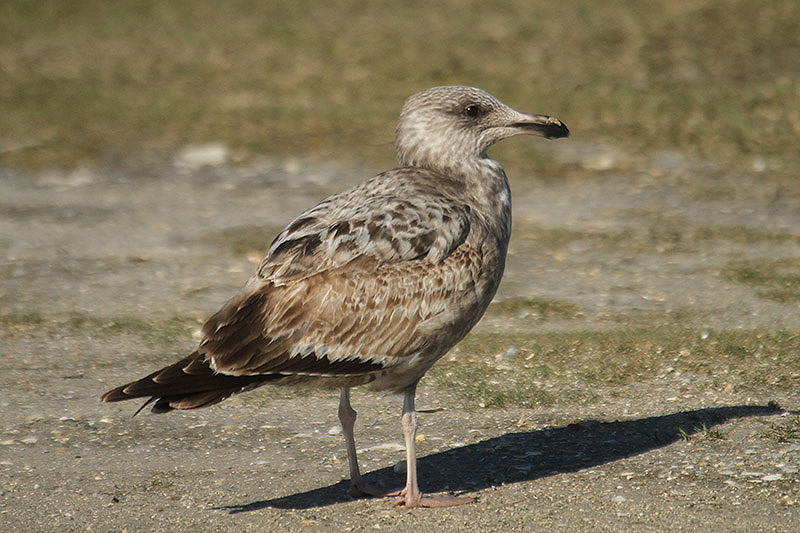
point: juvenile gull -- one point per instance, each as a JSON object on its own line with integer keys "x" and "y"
{"x": 374, "y": 284}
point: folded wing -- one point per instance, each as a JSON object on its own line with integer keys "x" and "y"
{"x": 344, "y": 291}
{"x": 341, "y": 289}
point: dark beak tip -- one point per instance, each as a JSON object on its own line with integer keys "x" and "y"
{"x": 556, "y": 130}
{"x": 548, "y": 127}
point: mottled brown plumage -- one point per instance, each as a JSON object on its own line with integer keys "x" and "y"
{"x": 374, "y": 284}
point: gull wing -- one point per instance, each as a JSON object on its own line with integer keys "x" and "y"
{"x": 344, "y": 289}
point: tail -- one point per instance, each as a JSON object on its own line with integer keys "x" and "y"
{"x": 188, "y": 384}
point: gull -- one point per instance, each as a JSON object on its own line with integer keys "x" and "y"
{"x": 372, "y": 285}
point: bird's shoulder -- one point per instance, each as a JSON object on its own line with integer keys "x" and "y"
{"x": 403, "y": 214}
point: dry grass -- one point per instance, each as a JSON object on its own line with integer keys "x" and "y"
{"x": 244, "y": 240}
{"x": 158, "y": 334}
{"x": 537, "y": 307}
{"x": 775, "y": 279}
{"x": 523, "y": 369}
{"x": 786, "y": 431}
{"x": 520, "y": 369}
{"x": 82, "y": 79}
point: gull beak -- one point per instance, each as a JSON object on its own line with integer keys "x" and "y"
{"x": 547, "y": 127}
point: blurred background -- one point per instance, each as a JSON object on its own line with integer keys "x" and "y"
{"x": 150, "y": 150}
{"x": 85, "y": 79}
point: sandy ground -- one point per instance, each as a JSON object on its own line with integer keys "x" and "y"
{"x": 107, "y": 273}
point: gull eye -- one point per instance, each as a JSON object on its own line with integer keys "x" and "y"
{"x": 472, "y": 110}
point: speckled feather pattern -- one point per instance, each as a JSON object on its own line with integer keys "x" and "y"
{"x": 373, "y": 284}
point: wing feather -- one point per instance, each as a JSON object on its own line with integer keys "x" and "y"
{"x": 346, "y": 287}
{"x": 400, "y": 215}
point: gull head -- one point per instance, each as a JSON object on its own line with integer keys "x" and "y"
{"x": 446, "y": 127}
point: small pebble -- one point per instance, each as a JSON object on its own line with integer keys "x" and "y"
{"x": 199, "y": 155}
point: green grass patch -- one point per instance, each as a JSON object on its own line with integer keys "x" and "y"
{"x": 539, "y": 307}
{"x": 20, "y": 318}
{"x": 777, "y": 280}
{"x": 718, "y": 79}
{"x": 522, "y": 369}
{"x": 787, "y": 431}
{"x": 244, "y": 240}
{"x": 157, "y": 331}
{"x": 20, "y": 322}
{"x": 650, "y": 230}
{"x": 168, "y": 331}
{"x": 483, "y": 386}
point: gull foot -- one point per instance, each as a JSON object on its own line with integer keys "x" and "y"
{"x": 444, "y": 500}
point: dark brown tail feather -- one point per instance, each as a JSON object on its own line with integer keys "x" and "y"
{"x": 188, "y": 384}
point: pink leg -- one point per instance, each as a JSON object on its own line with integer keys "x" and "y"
{"x": 411, "y": 496}
{"x": 347, "y": 417}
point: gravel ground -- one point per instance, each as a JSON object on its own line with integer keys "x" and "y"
{"x": 110, "y": 270}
